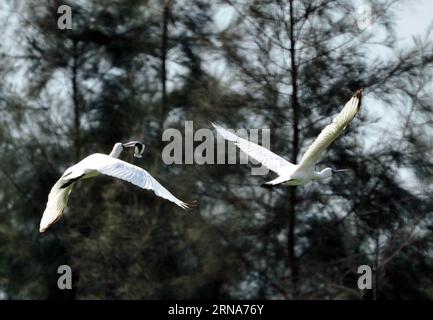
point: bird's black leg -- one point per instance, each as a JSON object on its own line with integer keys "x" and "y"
{"x": 267, "y": 186}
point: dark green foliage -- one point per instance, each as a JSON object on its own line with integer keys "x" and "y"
{"x": 118, "y": 76}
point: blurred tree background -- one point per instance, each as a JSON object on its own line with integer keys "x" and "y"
{"x": 129, "y": 69}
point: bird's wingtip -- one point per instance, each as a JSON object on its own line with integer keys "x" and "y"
{"x": 189, "y": 205}
{"x": 358, "y": 94}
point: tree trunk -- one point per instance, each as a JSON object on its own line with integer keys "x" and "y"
{"x": 162, "y": 112}
{"x": 164, "y": 41}
{"x": 293, "y": 265}
{"x": 76, "y": 104}
{"x": 163, "y": 57}
{"x": 377, "y": 258}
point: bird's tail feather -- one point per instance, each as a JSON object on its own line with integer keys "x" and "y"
{"x": 275, "y": 182}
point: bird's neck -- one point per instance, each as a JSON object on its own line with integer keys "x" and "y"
{"x": 115, "y": 153}
{"x": 320, "y": 175}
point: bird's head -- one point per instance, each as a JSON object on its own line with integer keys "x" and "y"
{"x": 328, "y": 172}
{"x": 138, "y": 147}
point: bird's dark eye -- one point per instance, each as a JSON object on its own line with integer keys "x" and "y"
{"x": 139, "y": 147}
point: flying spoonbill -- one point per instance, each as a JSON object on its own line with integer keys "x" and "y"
{"x": 97, "y": 164}
{"x": 299, "y": 174}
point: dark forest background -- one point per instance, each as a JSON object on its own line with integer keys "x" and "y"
{"x": 131, "y": 69}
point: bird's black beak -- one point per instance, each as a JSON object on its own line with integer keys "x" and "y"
{"x": 340, "y": 170}
{"x": 138, "y": 147}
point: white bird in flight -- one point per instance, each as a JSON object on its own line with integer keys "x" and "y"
{"x": 95, "y": 165}
{"x": 299, "y": 174}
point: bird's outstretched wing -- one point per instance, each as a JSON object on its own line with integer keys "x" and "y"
{"x": 123, "y": 170}
{"x": 331, "y": 132}
{"x": 56, "y": 205}
{"x": 266, "y": 157}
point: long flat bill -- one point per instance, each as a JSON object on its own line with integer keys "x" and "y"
{"x": 341, "y": 170}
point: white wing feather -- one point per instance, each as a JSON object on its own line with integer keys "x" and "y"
{"x": 104, "y": 164}
{"x": 331, "y": 132}
{"x": 116, "y": 168}
{"x": 266, "y": 157}
{"x": 56, "y": 205}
